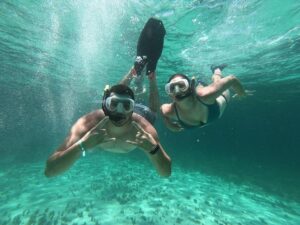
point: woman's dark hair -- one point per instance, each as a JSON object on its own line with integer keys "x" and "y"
{"x": 190, "y": 81}
{"x": 179, "y": 75}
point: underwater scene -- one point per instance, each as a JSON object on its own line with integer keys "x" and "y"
{"x": 56, "y": 57}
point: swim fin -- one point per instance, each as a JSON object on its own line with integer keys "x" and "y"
{"x": 221, "y": 67}
{"x": 150, "y": 45}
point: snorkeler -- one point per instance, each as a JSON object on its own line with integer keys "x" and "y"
{"x": 195, "y": 105}
{"x": 114, "y": 128}
{"x": 121, "y": 125}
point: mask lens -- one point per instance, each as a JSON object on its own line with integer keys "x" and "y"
{"x": 172, "y": 87}
{"x": 119, "y": 103}
{"x": 113, "y": 105}
{"x": 126, "y": 106}
{"x": 181, "y": 84}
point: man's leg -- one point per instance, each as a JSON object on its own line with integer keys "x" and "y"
{"x": 128, "y": 77}
{"x": 154, "y": 103}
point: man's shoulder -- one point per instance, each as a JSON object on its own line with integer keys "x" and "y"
{"x": 91, "y": 118}
{"x": 139, "y": 118}
{"x": 143, "y": 122}
{"x": 96, "y": 113}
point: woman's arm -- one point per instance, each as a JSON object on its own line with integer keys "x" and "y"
{"x": 171, "y": 125}
{"x": 214, "y": 90}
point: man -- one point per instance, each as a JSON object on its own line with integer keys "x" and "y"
{"x": 115, "y": 128}
{"x": 121, "y": 126}
{"x": 195, "y": 105}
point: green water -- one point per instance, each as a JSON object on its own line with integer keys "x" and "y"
{"x": 57, "y": 56}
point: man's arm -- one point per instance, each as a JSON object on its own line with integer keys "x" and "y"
{"x": 60, "y": 161}
{"x": 147, "y": 140}
{"x": 65, "y": 156}
{"x": 157, "y": 155}
{"x": 214, "y": 90}
{"x": 161, "y": 161}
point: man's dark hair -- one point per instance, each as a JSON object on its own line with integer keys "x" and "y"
{"x": 119, "y": 89}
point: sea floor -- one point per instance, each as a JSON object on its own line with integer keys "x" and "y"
{"x": 114, "y": 189}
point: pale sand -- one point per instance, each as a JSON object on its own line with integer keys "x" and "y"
{"x": 113, "y": 189}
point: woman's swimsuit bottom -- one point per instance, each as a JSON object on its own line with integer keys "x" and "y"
{"x": 145, "y": 112}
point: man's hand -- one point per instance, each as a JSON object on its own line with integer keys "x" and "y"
{"x": 97, "y": 135}
{"x": 143, "y": 139}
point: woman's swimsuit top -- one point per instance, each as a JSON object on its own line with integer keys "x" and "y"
{"x": 213, "y": 113}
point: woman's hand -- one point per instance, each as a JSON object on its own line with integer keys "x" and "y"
{"x": 245, "y": 94}
{"x": 175, "y": 126}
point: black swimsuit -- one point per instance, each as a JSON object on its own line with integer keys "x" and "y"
{"x": 213, "y": 114}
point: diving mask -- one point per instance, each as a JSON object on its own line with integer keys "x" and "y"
{"x": 177, "y": 86}
{"x": 119, "y": 103}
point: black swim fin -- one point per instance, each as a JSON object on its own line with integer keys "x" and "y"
{"x": 221, "y": 67}
{"x": 150, "y": 45}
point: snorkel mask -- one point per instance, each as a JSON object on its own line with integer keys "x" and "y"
{"x": 179, "y": 86}
{"x": 118, "y": 103}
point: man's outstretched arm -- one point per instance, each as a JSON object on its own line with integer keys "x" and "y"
{"x": 147, "y": 140}
{"x": 160, "y": 160}
{"x": 65, "y": 156}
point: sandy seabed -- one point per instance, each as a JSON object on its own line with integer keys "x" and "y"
{"x": 111, "y": 189}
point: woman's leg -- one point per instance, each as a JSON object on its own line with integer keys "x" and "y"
{"x": 224, "y": 99}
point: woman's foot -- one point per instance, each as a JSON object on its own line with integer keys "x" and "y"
{"x": 221, "y": 67}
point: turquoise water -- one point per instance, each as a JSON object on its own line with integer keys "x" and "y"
{"x": 57, "y": 56}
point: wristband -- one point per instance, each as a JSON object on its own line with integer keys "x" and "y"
{"x": 82, "y": 148}
{"x": 156, "y": 148}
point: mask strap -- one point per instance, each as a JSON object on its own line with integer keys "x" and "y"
{"x": 193, "y": 81}
{"x": 105, "y": 95}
